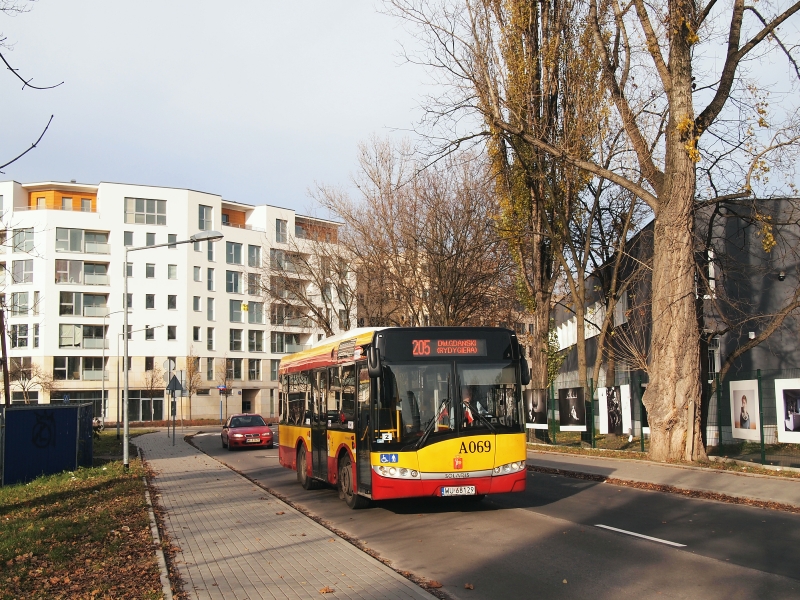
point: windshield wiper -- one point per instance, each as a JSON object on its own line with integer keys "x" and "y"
{"x": 480, "y": 416}
{"x": 431, "y": 425}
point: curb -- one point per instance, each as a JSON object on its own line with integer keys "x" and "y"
{"x": 162, "y": 563}
{"x": 682, "y": 466}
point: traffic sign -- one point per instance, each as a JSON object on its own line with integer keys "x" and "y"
{"x": 174, "y": 385}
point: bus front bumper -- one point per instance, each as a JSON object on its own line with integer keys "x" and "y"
{"x": 386, "y": 488}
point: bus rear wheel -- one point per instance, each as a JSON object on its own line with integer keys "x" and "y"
{"x": 303, "y": 479}
{"x": 346, "y": 491}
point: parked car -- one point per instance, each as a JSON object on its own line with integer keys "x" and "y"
{"x": 245, "y": 430}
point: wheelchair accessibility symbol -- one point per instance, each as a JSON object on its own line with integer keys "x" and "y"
{"x": 389, "y": 458}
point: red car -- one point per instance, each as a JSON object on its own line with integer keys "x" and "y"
{"x": 242, "y": 431}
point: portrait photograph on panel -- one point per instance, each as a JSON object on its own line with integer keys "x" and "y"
{"x": 615, "y": 409}
{"x": 787, "y": 407}
{"x": 536, "y": 409}
{"x": 572, "y": 409}
{"x": 744, "y": 410}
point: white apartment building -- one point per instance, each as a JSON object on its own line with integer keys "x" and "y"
{"x": 62, "y": 276}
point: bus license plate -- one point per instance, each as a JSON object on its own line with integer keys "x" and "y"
{"x": 464, "y": 490}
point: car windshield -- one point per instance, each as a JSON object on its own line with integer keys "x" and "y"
{"x": 416, "y": 397}
{"x": 247, "y": 421}
{"x": 488, "y": 394}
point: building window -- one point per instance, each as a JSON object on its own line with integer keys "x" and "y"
{"x": 36, "y": 335}
{"x": 23, "y": 240}
{"x": 69, "y": 240}
{"x": 95, "y": 273}
{"x": 172, "y": 302}
{"x": 70, "y": 336}
{"x": 149, "y": 333}
{"x": 210, "y": 279}
{"x": 209, "y": 369}
{"x": 66, "y": 368}
{"x": 19, "y": 304}
{"x": 255, "y": 312}
{"x": 198, "y": 276}
{"x": 280, "y": 231}
{"x": 209, "y": 338}
{"x": 255, "y": 341}
{"x": 150, "y": 239}
{"x": 233, "y": 253}
{"x": 130, "y": 303}
{"x": 128, "y": 238}
{"x": 226, "y": 219}
{"x": 253, "y": 284}
{"x": 95, "y": 305}
{"x": 195, "y": 334}
{"x": 148, "y": 212}
{"x": 96, "y": 243}
{"x": 234, "y": 367}
{"x": 150, "y": 301}
{"x": 86, "y": 205}
{"x": 22, "y": 271}
{"x": 172, "y": 271}
{"x": 204, "y": 219}
{"x": 66, "y": 203}
{"x": 210, "y": 309}
{"x": 19, "y": 336}
{"x": 233, "y": 282}
{"x": 69, "y": 271}
{"x": 274, "y": 365}
{"x": 129, "y": 269}
{"x": 196, "y": 303}
{"x": 171, "y": 239}
{"x": 235, "y": 311}
{"x": 150, "y": 270}
{"x": 254, "y": 369}
{"x": 235, "y": 340}
{"x": 149, "y": 363}
{"x": 210, "y": 251}
{"x": 253, "y": 256}
{"x": 172, "y": 332}
{"x": 198, "y": 246}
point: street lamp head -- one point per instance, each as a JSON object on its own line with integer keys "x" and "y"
{"x": 206, "y": 236}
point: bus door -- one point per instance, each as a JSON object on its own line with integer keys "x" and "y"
{"x": 363, "y": 428}
{"x": 319, "y": 425}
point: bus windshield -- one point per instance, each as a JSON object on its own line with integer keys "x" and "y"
{"x": 488, "y": 397}
{"x": 421, "y": 401}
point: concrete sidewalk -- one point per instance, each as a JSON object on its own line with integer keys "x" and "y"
{"x": 747, "y": 486}
{"x": 238, "y": 541}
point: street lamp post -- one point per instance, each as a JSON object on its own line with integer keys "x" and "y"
{"x": 203, "y": 236}
{"x": 103, "y": 373}
{"x": 119, "y": 371}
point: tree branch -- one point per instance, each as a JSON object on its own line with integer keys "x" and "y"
{"x": 33, "y": 145}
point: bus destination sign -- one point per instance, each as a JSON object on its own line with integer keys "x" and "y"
{"x": 448, "y": 347}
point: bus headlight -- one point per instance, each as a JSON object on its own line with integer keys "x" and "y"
{"x": 509, "y": 468}
{"x": 396, "y": 472}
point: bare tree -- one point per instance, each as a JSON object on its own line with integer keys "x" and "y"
{"x": 224, "y": 374}
{"x": 194, "y": 377}
{"x": 650, "y": 68}
{"x": 28, "y": 376}
{"x": 425, "y": 240}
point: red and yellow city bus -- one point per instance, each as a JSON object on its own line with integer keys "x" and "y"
{"x": 406, "y": 412}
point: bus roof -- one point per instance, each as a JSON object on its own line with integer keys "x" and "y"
{"x": 322, "y": 354}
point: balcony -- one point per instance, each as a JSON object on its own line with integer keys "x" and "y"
{"x": 247, "y": 227}
{"x": 292, "y": 348}
{"x": 95, "y": 311}
{"x": 95, "y": 375}
{"x": 92, "y": 279}
{"x": 97, "y": 248}
{"x": 94, "y": 343}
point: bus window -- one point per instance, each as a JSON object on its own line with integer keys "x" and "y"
{"x": 348, "y": 406}
{"x": 334, "y": 397}
{"x": 299, "y": 389}
{"x": 489, "y": 397}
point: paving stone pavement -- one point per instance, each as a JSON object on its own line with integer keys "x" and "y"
{"x": 235, "y": 544}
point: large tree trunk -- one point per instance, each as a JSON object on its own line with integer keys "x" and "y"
{"x": 541, "y": 325}
{"x": 673, "y": 396}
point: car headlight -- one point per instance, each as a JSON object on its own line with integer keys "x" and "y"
{"x": 509, "y": 468}
{"x": 396, "y": 472}
{"x": 238, "y": 435}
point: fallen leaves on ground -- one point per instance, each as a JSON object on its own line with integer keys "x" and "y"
{"x": 434, "y": 584}
{"x": 327, "y": 590}
{"x": 469, "y": 586}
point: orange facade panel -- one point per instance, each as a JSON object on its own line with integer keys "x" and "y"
{"x": 235, "y": 217}
{"x": 62, "y": 200}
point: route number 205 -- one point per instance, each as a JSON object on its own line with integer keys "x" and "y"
{"x": 421, "y": 347}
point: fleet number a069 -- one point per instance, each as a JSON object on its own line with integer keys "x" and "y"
{"x": 472, "y": 447}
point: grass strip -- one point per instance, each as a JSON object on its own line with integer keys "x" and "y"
{"x": 81, "y": 534}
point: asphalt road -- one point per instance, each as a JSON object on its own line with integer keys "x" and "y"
{"x": 546, "y": 543}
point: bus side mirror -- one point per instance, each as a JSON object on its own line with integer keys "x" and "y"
{"x": 526, "y": 371}
{"x": 373, "y": 362}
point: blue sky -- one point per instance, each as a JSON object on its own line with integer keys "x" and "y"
{"x": 255, "y": 100}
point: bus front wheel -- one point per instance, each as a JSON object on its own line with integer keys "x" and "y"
{"x": 346, "y": 491}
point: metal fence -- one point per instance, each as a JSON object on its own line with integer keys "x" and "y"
{"x": 755, "y": 415}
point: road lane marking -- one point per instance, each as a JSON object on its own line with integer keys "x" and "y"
{"x": 645, "y": 537}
